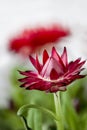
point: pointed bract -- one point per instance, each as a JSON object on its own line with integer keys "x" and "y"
{"x": 64, "y": 57}
{"x": 56, "y": 56}
{"x": 45, "y": 56}
{"x": 38, "y": 65}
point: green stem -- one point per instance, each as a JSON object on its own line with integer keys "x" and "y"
{"x": 59, "y": 123}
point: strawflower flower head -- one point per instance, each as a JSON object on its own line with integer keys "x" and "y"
{"x": 54, "y": 74}
{"x": 31, "y": 40}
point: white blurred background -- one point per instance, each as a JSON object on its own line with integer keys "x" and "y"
{"x": 18, "y": 14}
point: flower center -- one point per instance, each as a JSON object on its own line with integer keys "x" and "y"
{"x": 49, "y": 80}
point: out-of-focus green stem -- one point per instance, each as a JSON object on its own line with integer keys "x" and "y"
{"x": 58, "y": 110}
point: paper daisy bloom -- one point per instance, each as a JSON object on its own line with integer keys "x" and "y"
{"x": 31, "y": 40}
{"x": 54, "y": 74}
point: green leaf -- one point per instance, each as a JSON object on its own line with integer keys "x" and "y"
{"x": 25, "y": 108}
{"x": 34, "y": 119}
{"x": 32, "y": 115}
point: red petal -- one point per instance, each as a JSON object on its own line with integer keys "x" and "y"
{"x": 64, "y": 57}
{"x": 53, "y": 74}
{"x": 28, "y": 73}
{"x": 73, "y": 64}
{"x": 45, "y": 56}
{"x": 33, "y": 61}
{"x": 75, "y": 67}
{"x": 81, "y": 64}
{"x": 25, "y": 85}
{"x": 36, "y": 63}
{"x": 28, "y": 79}
{"x": 56, "y": 56}
{"x": 51, "y": 64}
{"x": 40, "y": 85}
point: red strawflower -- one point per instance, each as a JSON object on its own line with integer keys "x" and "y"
{"x": 31, "y": 40}
{"x": 54, "y": 74}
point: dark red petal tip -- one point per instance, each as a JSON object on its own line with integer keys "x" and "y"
{"x": 45, "y": 56}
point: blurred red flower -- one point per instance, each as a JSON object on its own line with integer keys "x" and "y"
{"x": 54, "y": 74}
{"x": 33, "y": 39}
